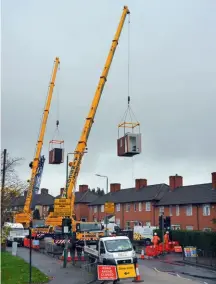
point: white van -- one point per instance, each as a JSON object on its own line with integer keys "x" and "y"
{"x": 17, "y": 233}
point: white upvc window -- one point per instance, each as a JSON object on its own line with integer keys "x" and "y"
{"x": 189, "y": 210}
{"x": 148, "y": 206}
{"x": 148, "y": 224}
{"x": 102, "y": 208}
{"x": 206, "y": 210}
{"x": 135, "y": 207}
{"x": 140, "y": 206}
{"x": 127, "y": 206}
{"x": 170, "y": 210}
{"x": 177, "y": 210}
{"x": 161, "y": 209}
{"x": 189, "y": 228}
{"x": 118, "y": 207}
{"x": 95, "y": 209}
{"x": 118, "y": 222}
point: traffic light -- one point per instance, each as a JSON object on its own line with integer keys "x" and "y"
{"x": 160, "y": 222}
{"x": 167, "y": 223}
{"x": 66, "y": 225}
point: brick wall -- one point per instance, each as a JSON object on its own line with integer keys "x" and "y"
{"x": 197, "y": 220}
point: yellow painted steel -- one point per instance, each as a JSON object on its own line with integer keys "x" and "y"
{"x": 26, "y": 215}
{"x": 82, "y": 143}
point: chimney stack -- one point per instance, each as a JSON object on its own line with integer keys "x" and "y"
{"x": 115, "y": 187}
{"x": 83, "y": 188}
{"x": 139, "y": 183}
{"x": 214, "y": 180}
{"x": 44, "y": 191}
{"x": 175, "y": 181}
{"x": 25, "y": 193}
{"x": 61, "y": 190}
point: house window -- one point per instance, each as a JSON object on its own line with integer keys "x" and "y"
{"x": 207, "y": 229}
{"x": 121, "y": 143}
{"x": 118, "y": 207}
{"x": 135, "y": 207}
{"x": 95, "y": 209}
{"x": 83, "y": 219}
{"x": 95, "y": 219}
{"x": 148, "y": 206}
{"x": 127, "y": 207}
{"x": 206, "y": 210}
{"x": 102, "y": 208}
{"x": 161, "y": 210}
{"x": 140, "y": 206}
{"x": 189, "y": 210}
{"x": 148, "y": 224}
{"x": 128, "y": 225}
{"x": 189, "y": 228}
{"x": 176, "y": 227}
{"x": 118, "y": 222}
{"x": 177, "y": 210}
{"x": 170, "y": 210}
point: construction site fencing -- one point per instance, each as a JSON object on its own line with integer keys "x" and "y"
{"x": 201, "y": 257}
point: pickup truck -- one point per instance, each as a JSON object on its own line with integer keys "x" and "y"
{"x": 112, "y": 251}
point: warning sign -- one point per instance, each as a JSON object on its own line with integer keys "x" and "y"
{"x": 126, "y": 271}
{"x": 107, "y": 272}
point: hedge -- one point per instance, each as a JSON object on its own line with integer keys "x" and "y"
{"x": 201, "y": 240}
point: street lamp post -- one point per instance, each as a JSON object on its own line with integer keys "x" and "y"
{"x": 107, "y": 181}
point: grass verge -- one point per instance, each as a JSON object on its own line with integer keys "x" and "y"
{"x": 15, "y": 270}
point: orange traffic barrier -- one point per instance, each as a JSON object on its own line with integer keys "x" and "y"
{"x": 137, "y": 278}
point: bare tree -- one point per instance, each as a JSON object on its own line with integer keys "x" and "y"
{"x": 13, "y": 187}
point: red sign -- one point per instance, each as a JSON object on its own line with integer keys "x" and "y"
{"x": 107, "y": 272}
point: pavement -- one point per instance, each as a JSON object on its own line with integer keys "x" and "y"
{"x": 53, "y": 268}
{"x": 154, "y": 271}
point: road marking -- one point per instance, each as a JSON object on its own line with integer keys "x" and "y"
{"x": 156, "y": 269}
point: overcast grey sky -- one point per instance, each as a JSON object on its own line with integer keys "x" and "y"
{"x": 173, "y": 86}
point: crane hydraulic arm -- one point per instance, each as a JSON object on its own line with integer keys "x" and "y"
{"x": 25, "y": 216}
{"x": 68, "y": 195}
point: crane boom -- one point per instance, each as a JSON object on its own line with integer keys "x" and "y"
{"x": 68, "y": 193}
{"x": 25, "y": 216}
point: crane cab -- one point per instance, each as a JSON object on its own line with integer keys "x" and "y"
{"x": 56, "y": 152}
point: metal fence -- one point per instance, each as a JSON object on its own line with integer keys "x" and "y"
{"x": 203, "y": 257}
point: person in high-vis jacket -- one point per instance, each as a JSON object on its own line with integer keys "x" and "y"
{"x": 155, "y": 240}
{"x": 166, "y": 238}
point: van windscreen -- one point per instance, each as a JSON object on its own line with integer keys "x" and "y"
{"x": 118, "y": 245}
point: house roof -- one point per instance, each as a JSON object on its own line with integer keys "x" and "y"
{"x": 192, "y": 194}
{"x": 148, "y": 193}
{"x": 38, "y": 199}
{"x": 84, "y": 197}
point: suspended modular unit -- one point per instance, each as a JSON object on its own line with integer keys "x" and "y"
{"x": 129, "y": 145}
{"x": 56, "y": 152}
{"x": 129, "y": 140}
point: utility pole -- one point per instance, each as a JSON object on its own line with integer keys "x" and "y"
{"x": 3, "y": 172}
{"x": 30, "y": 252}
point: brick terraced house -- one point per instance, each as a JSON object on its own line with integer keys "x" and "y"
{"x": 191, "y": 207}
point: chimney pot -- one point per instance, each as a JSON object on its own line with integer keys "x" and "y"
{"x": 214, "y": 180}
{"x": 175, "y": 181}
{"x": 115, "y": 187}
{"x": 139, "y": 183}
{"x": 83, "y": 188}
{"x": 44, "y": 191}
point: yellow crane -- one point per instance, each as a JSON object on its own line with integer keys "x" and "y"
{"x": 26, "y": 216}
{"x": 64, "y": 207}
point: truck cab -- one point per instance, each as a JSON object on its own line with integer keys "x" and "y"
{"x": 113, "y": 251}
{"x": 17, "y": 233}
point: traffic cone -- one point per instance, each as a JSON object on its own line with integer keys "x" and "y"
{"x": 82, "y": 256}
{"x": 69, "y": 258}
{"x": 137, "y": 278}
{"x": 76, "y": 256}
{"x": 142, "y": 256}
